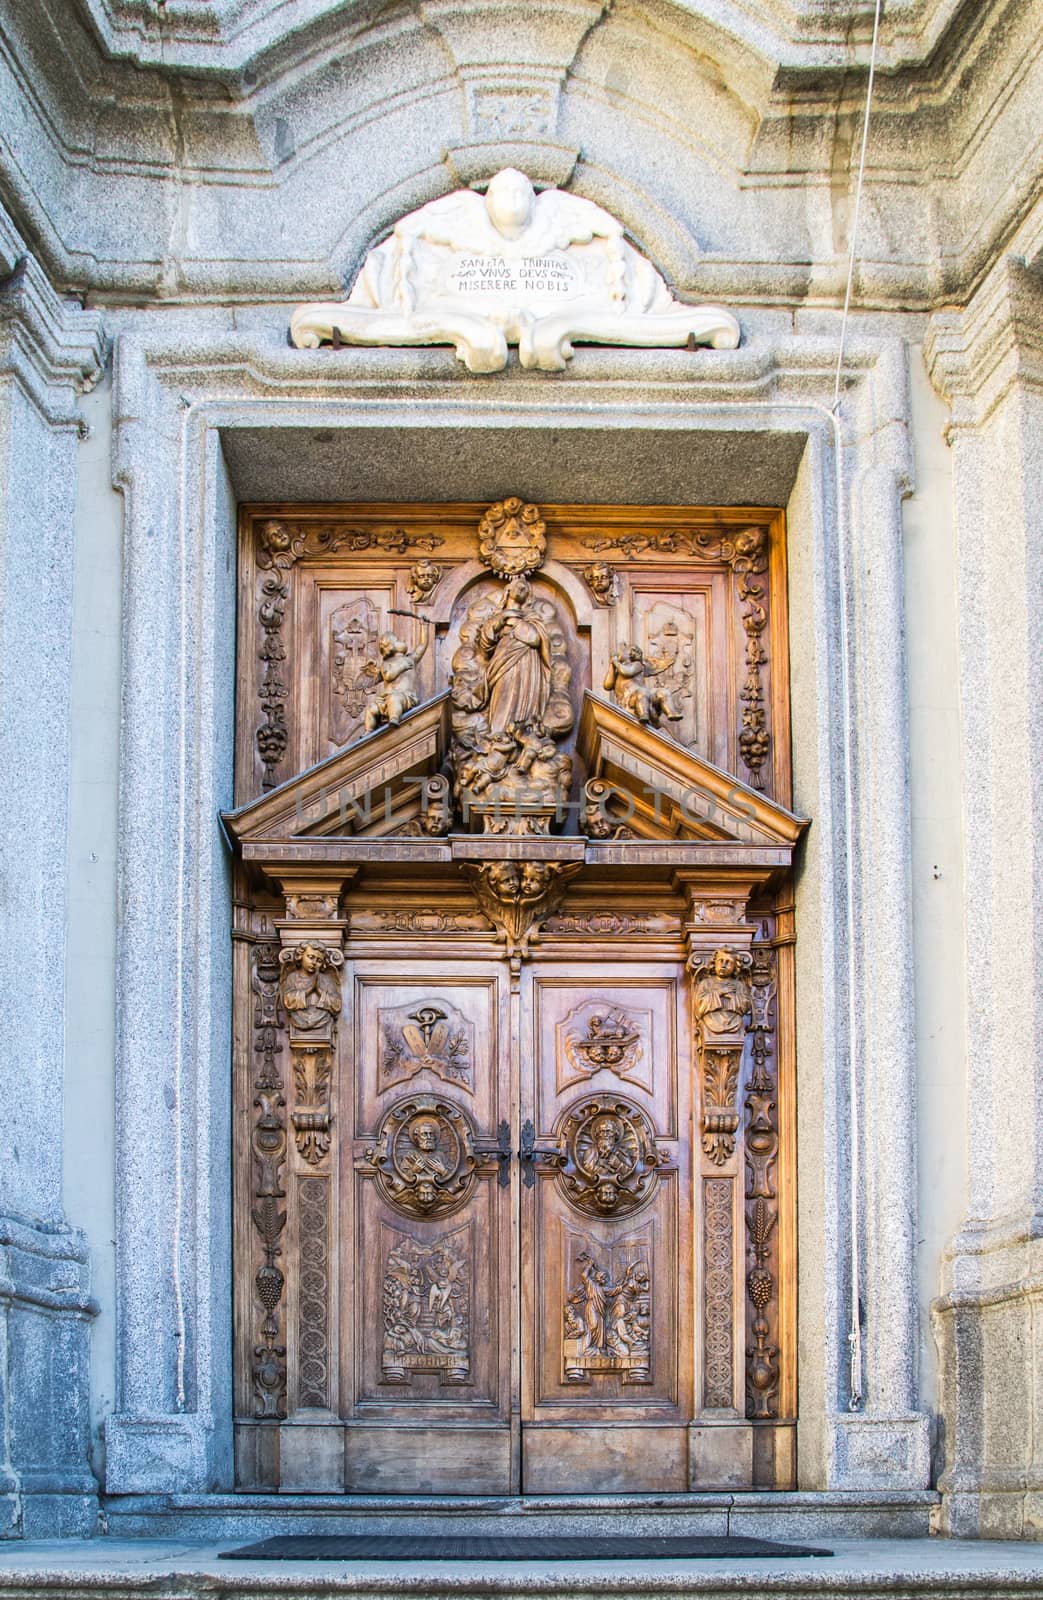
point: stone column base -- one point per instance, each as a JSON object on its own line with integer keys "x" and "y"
{"x": 990, "y": 1341}
{"x": 47, "y": 1490}
{"x": 156, "y": 1455}
{"x": 881, "y": 1451}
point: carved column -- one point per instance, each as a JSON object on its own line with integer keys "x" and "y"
{"x": 719, "y": 962}
{"x": 50, "y": 352}
{"x": 987, "y": 362}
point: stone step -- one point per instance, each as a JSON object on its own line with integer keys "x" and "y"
{"x": 926, "y": 1569}
{"x": 802, "y": 1517}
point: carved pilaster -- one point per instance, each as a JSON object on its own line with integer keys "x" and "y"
{"x": 311, "y": 959}
{"x": 720, "y": 964}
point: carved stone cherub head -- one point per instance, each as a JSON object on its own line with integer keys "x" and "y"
{"x": 510, "y": 200}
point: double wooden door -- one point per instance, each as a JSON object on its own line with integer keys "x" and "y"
{"x": 516, "y": 1219}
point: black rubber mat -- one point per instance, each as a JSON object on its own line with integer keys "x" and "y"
{"x": 507, "y": 1547}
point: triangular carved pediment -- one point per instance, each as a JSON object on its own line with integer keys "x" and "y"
{"x": 371, "y": 788}
{"x": 661, "y": 791}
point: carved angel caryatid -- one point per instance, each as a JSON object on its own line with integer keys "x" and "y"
{"x": 607, "y": 1161}
{"x": 424, "y": 1156}
{"x": 632, "y": 678}
{"x": 511, "y": 266}
{"x": 723, "y": 994}
{"x": 722, "y": 1002}
{"x": 310, "y": 992}
{"x": 310, "y": 987}
{"x": 510, "y": 690}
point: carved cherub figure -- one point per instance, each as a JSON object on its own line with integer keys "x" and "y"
{"x": 602, "y": 582}
{"x": 424, "y": 579}
{"x": 310, "y": 991}
{"x": 397, "y": 673}
{"x": 629, "y": 677}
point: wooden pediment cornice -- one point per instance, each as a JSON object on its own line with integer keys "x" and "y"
{"x": 363, "y": 789}
{"x": 666, "y": 792}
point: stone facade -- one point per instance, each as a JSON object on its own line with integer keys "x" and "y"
{"x": 191, "y": 171}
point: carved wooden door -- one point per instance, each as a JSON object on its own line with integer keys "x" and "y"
{"x": 428, "y": 1298}
{"x": 606, "y": 1230}
{"x": 512, "y": 919}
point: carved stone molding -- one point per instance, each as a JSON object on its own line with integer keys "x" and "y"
{"x": 517, "y": 897}
{"x": 607, "y": 1163}
{"x": 722, "y": 1001}
{"x": 541, "y": 271}
{"x": 424, "y": 1157}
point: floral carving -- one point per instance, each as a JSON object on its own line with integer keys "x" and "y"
{"x": 313, "y": 1315}
{"x": 718, "y": 1309}
{"x": 424, "y": 1157}
{"x": 354, "y": 630}
{"x": 762, "y": 1209}
{"x": 268, "y": 1214}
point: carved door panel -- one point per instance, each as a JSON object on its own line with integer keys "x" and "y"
{"x": 606, "y": 1232}
{"x": 427, "y": 1309}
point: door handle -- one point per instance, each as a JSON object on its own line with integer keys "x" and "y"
{"x": 503, "y": 1155}
{"x": 529, "y": 1155}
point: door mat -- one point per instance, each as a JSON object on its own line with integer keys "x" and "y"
{"x": 509, "y": 1547}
